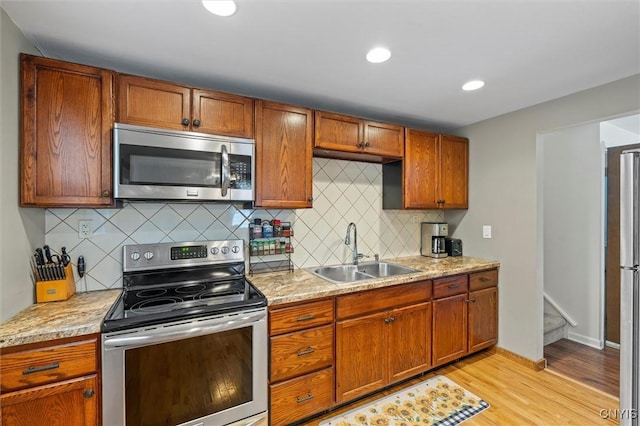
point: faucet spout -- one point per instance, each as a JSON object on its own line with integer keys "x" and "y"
{"x": 347, "y": 241}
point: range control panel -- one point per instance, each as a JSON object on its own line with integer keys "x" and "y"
{"x": 141, "y": 257}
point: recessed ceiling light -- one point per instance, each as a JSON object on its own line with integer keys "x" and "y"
{"x": 220, "y": 7}
{"x": 378, "y": 54}
{"x": 473, "y": 85}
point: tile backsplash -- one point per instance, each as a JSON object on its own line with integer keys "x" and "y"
{"x": 343, "y": 192}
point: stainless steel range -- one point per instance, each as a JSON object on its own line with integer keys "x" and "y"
{"x": 186, "y": 343}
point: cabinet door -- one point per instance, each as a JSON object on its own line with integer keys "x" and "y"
{"x": 454, "y": 166}
{"x": 72, "y": 402}
{"x": 153, "y": 103}
{"x": 222, "y": 114}
{"x": 449, "y": 329}
{"x": 67, "y": 116}
{"x": 284, "y": 151}
{"x": 386, "y": 140}
{"x": 420, "y": 170}
{"x": 409, "y": 341}
{"x": 338, "y": 132}
{"x": 361, "y": 348}
{"x": 483, "y": 318}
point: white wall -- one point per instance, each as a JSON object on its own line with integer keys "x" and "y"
{"x": 573, "y": 180}
{"x": 504, "y": 191}
{"x": 21, "y": 230}
{"x": 612, "y": 135}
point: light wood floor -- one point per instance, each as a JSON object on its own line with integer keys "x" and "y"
{"x": 517, "y": 394}
{"x": 597, "y": 368}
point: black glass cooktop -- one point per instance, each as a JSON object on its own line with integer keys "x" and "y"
{"x": 163, "y": 296}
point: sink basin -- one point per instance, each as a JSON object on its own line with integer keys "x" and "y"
{"x": 384, "y": 269}
{"x": 344, "y": 274}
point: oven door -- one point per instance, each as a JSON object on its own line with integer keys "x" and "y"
{"x": 209, "y": 372}
{"x": 170, "y": 165}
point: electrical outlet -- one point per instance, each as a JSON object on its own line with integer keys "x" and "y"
{"x": 85, "y": 228}
{"x": 415, "y": 219}
{"x": 486, "y": 231}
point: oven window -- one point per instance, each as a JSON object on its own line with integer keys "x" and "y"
{"x": 174, "y": 167}
{"x": 175, "y": 382}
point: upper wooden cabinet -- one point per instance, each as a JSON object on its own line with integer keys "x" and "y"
{"x": 67, "y": 116}
{"x": 343, "y": 134}
{"x": 433, "y": 174}
{"x": 284, "y": 151}
{"x": 154, "y": 103}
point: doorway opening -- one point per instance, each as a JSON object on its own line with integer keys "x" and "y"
{"x": 580, "y": 206}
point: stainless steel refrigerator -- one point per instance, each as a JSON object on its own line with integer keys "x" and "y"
{"x": 629, "y": 287}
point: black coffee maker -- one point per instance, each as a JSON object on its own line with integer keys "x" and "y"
{"x": 433, "y": 236}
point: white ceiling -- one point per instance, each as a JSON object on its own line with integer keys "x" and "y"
{"x": 311, "y": 52}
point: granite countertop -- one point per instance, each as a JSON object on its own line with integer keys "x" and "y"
{"x": 81, "y": 314}
{"x": 301, "y": 285}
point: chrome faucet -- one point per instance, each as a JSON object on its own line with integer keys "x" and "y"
{"x": 347, "y": 241}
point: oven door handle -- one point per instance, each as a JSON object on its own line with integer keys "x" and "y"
{"x": 224, "y": 187}
{"x": 183, "y": 331}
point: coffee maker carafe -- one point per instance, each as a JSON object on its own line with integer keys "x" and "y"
{"x": 433, "y": 234}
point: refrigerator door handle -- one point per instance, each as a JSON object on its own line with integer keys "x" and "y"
{"x": 630, "y": 268}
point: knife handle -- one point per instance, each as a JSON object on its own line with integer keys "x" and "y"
{"x": 81, "y": 266}
{"x": 47, "y": 253}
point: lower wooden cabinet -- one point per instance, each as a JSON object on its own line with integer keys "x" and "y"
{"x": 71, "y": 402}
{"x": 301, "y": 374}
{"x": 301, "y": 397}
{"x": 465, "y": 315}
{"x": 378, "y": 337}
{"x": 377, "y": 349}
{"x": 483, "y": 310}
{"x": 56, "y": 383}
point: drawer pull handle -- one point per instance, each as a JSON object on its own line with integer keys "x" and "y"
{"x": 300, "y": 399}
{"x": 307, "y": 351}
{"x": 484, "y": 279}
{"x": 88, "y": 393}
{"x": 453, "y": 286}
{"x": 470, "y": 300}
{"x": 32, "y": 370}
{"x": 305, "y": 318}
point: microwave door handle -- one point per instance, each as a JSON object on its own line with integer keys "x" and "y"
{"x": 224, "y": 187}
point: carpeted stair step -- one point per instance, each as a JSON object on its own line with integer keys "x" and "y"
{"x": 554, "y": 326}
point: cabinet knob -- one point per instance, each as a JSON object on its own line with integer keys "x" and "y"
{"x": 367, "y": 144}
{"x": 89, "y": 393}
{"x": 361, "y": 145}
{"x": 105, "y": 193}
{"x": 196, "y": 123}
{"x": 310, "y": 198}
{"x": 185, "y": 121}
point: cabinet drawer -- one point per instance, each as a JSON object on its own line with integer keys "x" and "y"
{"x": 46, "y": 365}
{"x": 301, "y": 397}
{"x": 383, "y": 298}
{"x": 484, "y": 279}
{"x": 300, "y": 317}
{"x": 450, "y": 286}
{"x": 301, "y": 352}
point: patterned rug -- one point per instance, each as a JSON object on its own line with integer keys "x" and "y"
{"x": 437, "y": 401}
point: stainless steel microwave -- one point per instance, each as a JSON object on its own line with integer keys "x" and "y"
{"x": 158, "y": 164}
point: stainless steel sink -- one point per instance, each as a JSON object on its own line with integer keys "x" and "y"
{"x": 344, "y": 274}
{"x": 384, "y": 269}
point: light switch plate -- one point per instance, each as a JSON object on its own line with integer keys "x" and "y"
{"x": 486, "y": 231}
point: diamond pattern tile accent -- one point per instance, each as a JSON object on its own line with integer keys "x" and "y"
{"x": 343, "y": 191}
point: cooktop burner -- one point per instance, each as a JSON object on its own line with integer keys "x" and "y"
{"x": 173, "y": 281}
{"x": 143, "y": 301}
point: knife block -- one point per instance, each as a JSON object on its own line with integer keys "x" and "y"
{"x": 54, "y": 290}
